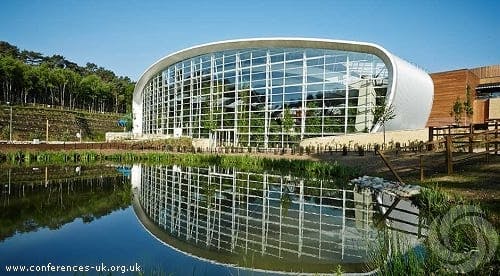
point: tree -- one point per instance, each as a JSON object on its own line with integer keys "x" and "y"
{"x": 91, "y": 86}
{"x": 210, "y": 124}
{"x": 12, "y": 77}
{"x": 288, "y": 123}
{"x": 457, "y": 110}
{"x": 73, "y": 85}
{"x": 30, "y": 80}
{"x": 7, "y": 49}
{"x": 313, "y": 118}
{"x": 468, "y": 105}
{"x": 383, "y": 114}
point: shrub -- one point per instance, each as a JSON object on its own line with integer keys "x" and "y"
{"x": 344, "y": 150}
{"x": 361, "y": 150}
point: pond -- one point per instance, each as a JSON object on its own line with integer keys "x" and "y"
{"x": 189, "y": 220}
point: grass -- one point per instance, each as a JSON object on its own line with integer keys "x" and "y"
{"x": 392, "y": 254}
{"x": 459, "y": 240}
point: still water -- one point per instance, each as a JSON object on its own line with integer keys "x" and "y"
{"x": 185, "y": 221}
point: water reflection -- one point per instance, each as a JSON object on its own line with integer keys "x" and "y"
{"x": 260, "y": 221}
{"x": 35, "y": 197}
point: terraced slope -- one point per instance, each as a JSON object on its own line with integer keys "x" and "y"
{"x": 29, "y": 123}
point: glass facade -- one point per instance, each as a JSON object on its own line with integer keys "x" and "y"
{"x": 266, "y": 97}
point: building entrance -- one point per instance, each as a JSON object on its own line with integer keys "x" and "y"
{"x": 225, "y": 138}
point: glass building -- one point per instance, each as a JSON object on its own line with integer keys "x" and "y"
{"x": 272, "y": 92}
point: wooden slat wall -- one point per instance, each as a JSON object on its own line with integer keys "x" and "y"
{"x": 480, "y": 111}
{"x": 447, "y": 87}
{"x": 487, "y": 74}
{"x": 487, "y": 71}
{"x": 494, "y": 109}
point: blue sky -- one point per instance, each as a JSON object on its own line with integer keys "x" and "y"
{"x": 127, "y": 36}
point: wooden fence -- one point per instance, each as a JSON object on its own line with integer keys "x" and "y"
{"x": 456, "y": 143}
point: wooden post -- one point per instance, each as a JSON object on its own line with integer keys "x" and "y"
{"x": 496, "y": 137}
{"x": 421, "y": 163}
{"x": 390, "y": 167}
{"x": 449, "y": 155}
{"x": 46, "y": 177}
{"x": 471, "y": 138}
{"x": 487, "y": 144}
{"x": 430, "y": 147}
{"x": 47, "y": 132}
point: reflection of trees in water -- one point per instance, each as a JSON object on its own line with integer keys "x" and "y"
{"x": 32, "y": 206}
{"x": 41, "y": 173}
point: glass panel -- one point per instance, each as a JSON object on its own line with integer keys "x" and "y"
{"x": 293, "y": 80}
{"x": 258, "y": 61}
{"x": 294, "y": 55}
{"x": 277, "y": 58}
{"x": 293, "y": 89}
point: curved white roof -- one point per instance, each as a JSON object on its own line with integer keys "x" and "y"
{"x": 410, "y": 89}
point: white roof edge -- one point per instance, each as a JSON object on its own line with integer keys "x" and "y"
{"x": 254, "y": 42}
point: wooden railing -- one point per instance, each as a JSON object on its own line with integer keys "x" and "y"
{"x": 457, "y": 144}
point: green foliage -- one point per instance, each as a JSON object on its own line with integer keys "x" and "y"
{"x": 286, "y": 203}
{"x": 392, "y": 254}
{"x": 339, "y": 271}
{"x": 468, "y": 104}
{"x": 128, "y": 121}
{"x": 184, "y": 143}
{"x": 4, "y": 133}
{"x": 462, "y": 234}
{"x": 383, "y": 114}
{"x": 457, "y": 111}
{"x": 29, "y": 77}
{"x": 288, "y": 123}
{"x": 66, "y": 135}
{"x": 433, "y": 201}
{"x": 313, "y": 118}
{"x": 35, "y": 135}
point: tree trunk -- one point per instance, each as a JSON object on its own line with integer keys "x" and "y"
{"x": 52, "y": 96}
{"x": 116, "y": 103}
{"x": 9, "y": 89}
{"x": 62, "y": 94}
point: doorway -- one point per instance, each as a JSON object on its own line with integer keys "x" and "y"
{"x": 225, "y": 138}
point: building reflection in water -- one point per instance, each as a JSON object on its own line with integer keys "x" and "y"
{"x": 275, "y": 217}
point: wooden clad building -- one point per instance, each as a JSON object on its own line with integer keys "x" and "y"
{"x": 482, "y": 83}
